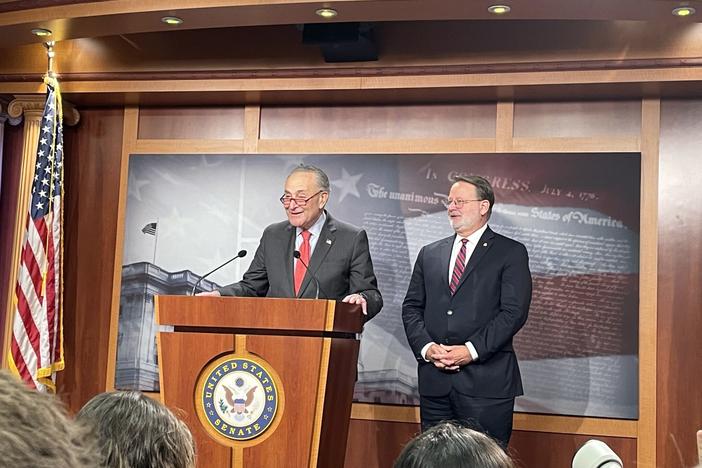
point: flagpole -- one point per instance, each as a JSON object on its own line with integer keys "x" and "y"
{"x": 50, "y": 54}
{"x": 153, "y": 262}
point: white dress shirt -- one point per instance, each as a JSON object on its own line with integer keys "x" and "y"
{"x": 470, "y": 248}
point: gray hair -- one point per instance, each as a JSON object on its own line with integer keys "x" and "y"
{"x": 448, "y": 445}
{"x": 482, "y": 188}
{"x": 35, "y": 430}
{"x": 135, "y": 431}
{"x": 320, "y": 175}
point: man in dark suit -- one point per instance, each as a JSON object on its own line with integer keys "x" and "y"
{"x": 468, "y": 296}
{"x": 336, "y": 253}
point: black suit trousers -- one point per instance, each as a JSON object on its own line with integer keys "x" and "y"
{"x": 492, "y": 416}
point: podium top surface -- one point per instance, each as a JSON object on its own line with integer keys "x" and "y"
{"x": 297, "y": 316}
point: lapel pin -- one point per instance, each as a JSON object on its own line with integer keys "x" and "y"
{"x": 329, "y": 241}
{"x": 484, "y": 244}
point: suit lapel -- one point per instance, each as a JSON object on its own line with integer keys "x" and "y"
{"x": 327, "y": 236}
{"x": 480, "y": 250}
{"x": 289, "y": 237}
{"x": 445, "y": 257}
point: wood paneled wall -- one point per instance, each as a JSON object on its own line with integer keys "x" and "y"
{"x": 679, "y": 384}
{"x": 96, "y": 148}
{"x": 92, "y": 180}
{"x": 11, "y": 165}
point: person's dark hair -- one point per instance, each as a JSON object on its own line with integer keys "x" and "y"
{"x": 134, "y": 431}
{"x": 482, "y": 187}
{"x": 322, "y": 178}
{"x": 448, "y": 445}
{"x": 35, "y": 430}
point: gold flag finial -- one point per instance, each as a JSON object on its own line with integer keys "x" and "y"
{"x": 50, "y": 54}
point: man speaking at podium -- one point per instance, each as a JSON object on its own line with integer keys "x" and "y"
{"x": 311, "y": 254}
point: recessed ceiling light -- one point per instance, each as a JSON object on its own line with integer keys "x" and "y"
{"x": 41, "y": 32}
{"x": 684, "y": 11}
{"x": 172, "y": 20}
{"x": 326, "y": 13}
{"x": 499, "y": 9}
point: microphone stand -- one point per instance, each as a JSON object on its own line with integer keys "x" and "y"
{"x": 241, "y": 254}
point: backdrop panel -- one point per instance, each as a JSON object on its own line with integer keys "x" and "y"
{"x": 578, "y": 215}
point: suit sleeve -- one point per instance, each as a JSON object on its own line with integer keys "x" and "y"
{"x": 515, "y": 298}
{"x": 255, "y": 280}
{"x": 413, "y": 309}
{"x": 361, "y": 276}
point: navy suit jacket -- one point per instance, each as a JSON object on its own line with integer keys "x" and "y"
{"x": 341, "y": 263}
{"x": 490, "y": 305}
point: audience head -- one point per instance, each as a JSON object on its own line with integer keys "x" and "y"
{"x": 448, "y": 445}
{"x": 36, "y": 431}
{"x": 135, "y": 431}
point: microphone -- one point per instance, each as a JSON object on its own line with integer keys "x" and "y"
{"x": 296, "y": 254}
{"x": 241, "y": 254}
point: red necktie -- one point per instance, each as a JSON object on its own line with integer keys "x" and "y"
{"x": 458, "y": 267}
{"x": 300, "y": 268}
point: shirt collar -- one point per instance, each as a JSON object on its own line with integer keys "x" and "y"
{"x": 473, "y": 238}
{"x": 316, "y": 228}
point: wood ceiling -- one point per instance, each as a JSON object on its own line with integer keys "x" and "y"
{"x": 118, "y": 51}
{"x": 81, "y": 19}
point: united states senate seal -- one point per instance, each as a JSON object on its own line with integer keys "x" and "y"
{"x": 238, "y": 398}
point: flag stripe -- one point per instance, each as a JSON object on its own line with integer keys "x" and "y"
{"x": 20, "y": 365}
{"x": 51, "y": 301}
{"x": 24, "y": 309}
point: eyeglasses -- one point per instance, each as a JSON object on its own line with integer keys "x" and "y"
{"x": 299, "y": 201}
{"x": 459, "y": 202}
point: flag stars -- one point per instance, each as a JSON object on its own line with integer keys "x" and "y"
{"x": 42, "y": 194}
{"x": 45, "y": 181}
{"x": 46, "y": 129}
{"x": 43, "y": 141}
{"x": 40, "y": 206}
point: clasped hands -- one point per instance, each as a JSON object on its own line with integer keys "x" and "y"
{"x": 450, "y": 358}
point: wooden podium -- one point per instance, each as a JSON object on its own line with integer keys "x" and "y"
{"x": 260, "y": 382}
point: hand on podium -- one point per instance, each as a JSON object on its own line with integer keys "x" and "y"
{"x": 357, "y": 298}
{"x": 209, "y": 293}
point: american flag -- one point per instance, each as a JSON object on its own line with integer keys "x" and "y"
{"x": 37, "y": 332}
{"x": 150, "y": 229}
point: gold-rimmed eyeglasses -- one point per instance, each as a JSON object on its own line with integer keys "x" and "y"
{"x": 459, "y": 202}
{"x": 299, "y": 201}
